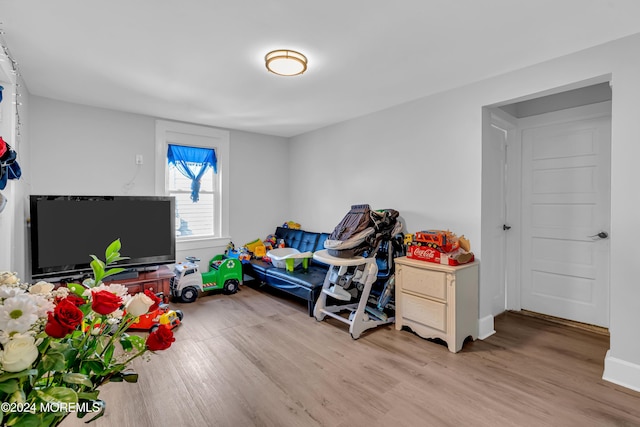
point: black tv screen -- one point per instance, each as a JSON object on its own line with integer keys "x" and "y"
{"x": 66, "y": 230}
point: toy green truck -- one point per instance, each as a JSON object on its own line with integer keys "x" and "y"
{"x": 224, "y": 273}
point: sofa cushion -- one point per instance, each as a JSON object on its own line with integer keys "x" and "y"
{"x": 311, "y": 278}
{"x": 299, "y": 239}
{"x": 320, "y": 246}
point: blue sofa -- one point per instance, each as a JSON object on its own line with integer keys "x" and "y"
{"x": 302, "y": 283}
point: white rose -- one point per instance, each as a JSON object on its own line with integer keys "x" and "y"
{"x": 8, "y": 278}
{"x": 41, "y": 288}
{"x": 19, "y": 353}
{"x": 139, "y": 304}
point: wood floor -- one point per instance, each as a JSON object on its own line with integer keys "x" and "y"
{"x": 256, "y": 359}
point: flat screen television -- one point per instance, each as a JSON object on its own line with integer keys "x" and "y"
{"x": 66, "y": 230}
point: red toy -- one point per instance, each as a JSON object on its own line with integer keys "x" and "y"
{"x": 445, "y": 241}
{"x": 162, "y": 315}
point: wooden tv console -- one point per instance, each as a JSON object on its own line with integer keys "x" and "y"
{"x": 157, "y": 281}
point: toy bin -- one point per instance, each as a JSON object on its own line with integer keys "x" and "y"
{"x": 279, "y": 257}
{"x": 288, "y": 258}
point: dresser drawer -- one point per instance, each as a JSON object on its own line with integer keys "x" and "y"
{"x": 425, "y": 282}
{"x": 427, "y": 312}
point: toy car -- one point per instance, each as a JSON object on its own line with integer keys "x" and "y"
{"x": 163, "y": 315}
{"x": 224, "y": 273}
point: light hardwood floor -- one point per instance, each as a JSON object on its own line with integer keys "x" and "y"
{"x": 256, "y": 359}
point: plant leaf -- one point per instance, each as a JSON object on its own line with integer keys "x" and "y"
{"x": 20, "y": 374}
{"x": 76, "y": 288}
{"x": 103, "y": 406}
{"x": 130, "y": 342}
{"x": 115, "y": 259}
{"x": 98, "y": 270}
{"x": 125, "y": 342}
{"x": 76, "y": 378}
{"x": 59, "y": 346}
{"x": 113, "y": 271}
{"x": 138, "y": 342}
{"x": 53, "y": 361}
{"x": 88, "y": 395}
{"x": 9, "y": 386}
{"x": 95, "y": 366}
{"x": 57, "y": 394}
{"x": 101, "y": 343}
{"x": 28, "y": 420}
{"x": 112, "y": 250}
{"x": 18, "y": 396}
{"x": 129, "y": 376}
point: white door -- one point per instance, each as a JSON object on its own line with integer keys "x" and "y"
{"x": 565, "y": 205}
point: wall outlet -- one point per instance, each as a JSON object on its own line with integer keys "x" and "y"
{"x": 139, "y": 159}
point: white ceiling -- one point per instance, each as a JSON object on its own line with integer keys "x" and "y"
{"x": 202, "y": 61}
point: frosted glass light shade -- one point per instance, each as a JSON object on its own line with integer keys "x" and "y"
{"x": 286, "y": 62}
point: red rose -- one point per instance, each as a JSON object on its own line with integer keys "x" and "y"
{"x": 76, "y": 299}
{"x": 64, "y": 319}
{"x": 55, "y": 329}
{"x": 68, "y": 314}
{"x": 160, "y": 339}
{"x": 154, "y": 298}
{"x": 105, "y": 302}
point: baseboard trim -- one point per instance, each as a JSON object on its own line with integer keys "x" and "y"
{"x": 485, "y": 327}
{"x": 621, "y": 372}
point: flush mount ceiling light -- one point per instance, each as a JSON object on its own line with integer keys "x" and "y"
{"x": 286, "y": 62}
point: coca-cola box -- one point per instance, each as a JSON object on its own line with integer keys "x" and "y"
{"x": 425, "y": 253}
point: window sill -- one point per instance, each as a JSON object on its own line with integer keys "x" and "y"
{"x": 192, "y": 243}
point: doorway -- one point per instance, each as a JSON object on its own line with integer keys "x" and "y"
{"x": 553, "y": 255}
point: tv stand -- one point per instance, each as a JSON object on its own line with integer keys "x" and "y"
{"x": 157, "y": 281}
{"x": 127, "y": 274}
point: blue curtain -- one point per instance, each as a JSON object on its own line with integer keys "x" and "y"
{"x": 192, "y": 162}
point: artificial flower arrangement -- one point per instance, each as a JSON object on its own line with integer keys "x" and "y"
{"x": 58, "y": 346}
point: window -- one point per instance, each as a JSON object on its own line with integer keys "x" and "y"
{"x": 192, "y": 175}
{"x": 191, "y": 162}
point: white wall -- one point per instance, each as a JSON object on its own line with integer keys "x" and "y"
{"x": 84, "y": 150}
{"x": 392, "y": 159}
{"x": 424, "y": 159}
{"x": 89, "y": 151}
{"x": 260, "y": 182}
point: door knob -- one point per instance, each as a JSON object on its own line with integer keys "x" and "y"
{"x": 600, "y": 235}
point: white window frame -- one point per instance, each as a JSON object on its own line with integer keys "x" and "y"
{"x": 168, "y": 132}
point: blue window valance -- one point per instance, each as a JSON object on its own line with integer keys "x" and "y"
{"x": 192, "y": 162}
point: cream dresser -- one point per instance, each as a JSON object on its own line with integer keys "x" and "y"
{"x": 437, "y": 301}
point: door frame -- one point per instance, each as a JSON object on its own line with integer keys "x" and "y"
{"x": 514, "y": 185}
{"x": 511, "y": 287}
{"x": 513, "y": 203}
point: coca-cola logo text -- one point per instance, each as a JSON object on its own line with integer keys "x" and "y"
{"x": 422, "y": 252}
